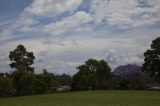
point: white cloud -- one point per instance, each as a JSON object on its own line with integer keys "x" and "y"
{"x": 122, "y": 14}
{"x": 82, "y": 34}
{"x": 64, "y": 54}
{"x": 67, "y": 24}
{"x": 126, "y": 13}
{"x": 52, "y": 7}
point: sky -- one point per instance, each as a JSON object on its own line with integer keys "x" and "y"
{"x": 65, "y": 33}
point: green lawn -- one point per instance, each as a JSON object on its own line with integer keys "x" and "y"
{"x": 88, "y": 98}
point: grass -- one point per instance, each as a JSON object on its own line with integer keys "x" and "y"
{"x": 88, "y": 98}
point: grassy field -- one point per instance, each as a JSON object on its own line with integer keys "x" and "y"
{"x": 88, "y": 98}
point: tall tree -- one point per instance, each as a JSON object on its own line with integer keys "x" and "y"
{"x": 93, "y": 74}
{"x": 152, "y": 59}
{"x": 21, "y": 61}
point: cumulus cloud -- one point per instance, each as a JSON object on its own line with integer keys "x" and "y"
{"x": 122, "y": 14}
{"x": 52, "y": 7}
{"x": 61, "y": 44}
{"x": 126, "y": 13}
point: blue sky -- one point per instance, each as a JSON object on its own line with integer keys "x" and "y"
{"x": 65, "y": 33}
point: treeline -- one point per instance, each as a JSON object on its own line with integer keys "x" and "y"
{"x": 92, "y": 75}
{"x": 12, "y": 84}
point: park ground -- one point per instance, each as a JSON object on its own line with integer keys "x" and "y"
{"x": 88, "y": 98}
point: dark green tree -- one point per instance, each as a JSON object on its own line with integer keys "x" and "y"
{"x": 103, "y": 74}
{"x": 21, "y": 61}
{"x": 45, "y": 83}
{"x": 152, "y": 59}
{"x": 93, "y": 74}
{"x": 6, "y": 85}
{"x": 64, "y": 79}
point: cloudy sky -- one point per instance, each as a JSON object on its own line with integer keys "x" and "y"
{"x": 64, "y": 33}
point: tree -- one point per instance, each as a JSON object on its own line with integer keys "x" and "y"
{"x": 64, "y": 79}
{"x": 45, "y": 83}
{"x": 21, "y": 61}
{"x": 93, "y": 74}
{"x": 152, "y": 59}
{"x": 103, "y": 74}
{"x": 6, "y": 86}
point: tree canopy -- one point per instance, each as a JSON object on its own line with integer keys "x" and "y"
{"x": 93, "y": 74}
{"x": 152, "y": 59}
{"x": 21, "y": 61}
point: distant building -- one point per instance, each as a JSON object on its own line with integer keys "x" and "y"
{"x": 64, "y": 88}
{"x": 154, "y": 86}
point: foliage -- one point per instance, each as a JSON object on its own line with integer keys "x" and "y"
{"x": 63, "y": 79}
{"x": 45, "y": 83}
{"x": 93, "y": 74}
{"x": 22, "y": 60}
{"x": 6, "y": 86}
{"x": 152, "y": 59}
